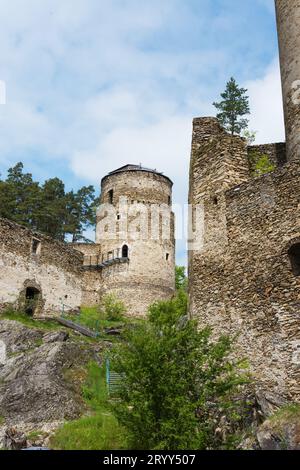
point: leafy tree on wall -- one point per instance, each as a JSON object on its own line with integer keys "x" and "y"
{"x": 233, "y": 108}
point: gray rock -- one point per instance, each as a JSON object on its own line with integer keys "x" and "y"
{"x": 14, "y": 439}
{"x": 36, "y": 384}
{"x": 56, "y": 336}
{"x": 286, "y": 438}
{"x": 282, "y": 430}
{"x": 269, "y": 402}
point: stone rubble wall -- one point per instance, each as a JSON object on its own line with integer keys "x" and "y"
{"x": 288, "y": 25}
{"x": 275, "y": 152}
{"x": 241, "y": 280}
{"x": 56, "y": 270}
{"x": 148, "y": 275}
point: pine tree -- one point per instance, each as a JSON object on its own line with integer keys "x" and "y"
{"x": 52, "y": 214}
{"x": 19, "y": 196}
{"x": 47, "y": 208}
{"x": 234, "y": 105}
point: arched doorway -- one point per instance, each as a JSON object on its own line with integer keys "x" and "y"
{"x": 125, "y": 251}
{"x": 32, "y": 297}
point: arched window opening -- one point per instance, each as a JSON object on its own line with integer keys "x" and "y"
{"x": 125, "y": 251}
{"x": 294, "y": 255}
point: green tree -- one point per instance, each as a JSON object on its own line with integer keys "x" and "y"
{"x": 180, "y": 278}
{"x": 47, "y": 208}
{"x": 178, "y": 385}
{"x": 233, "y": 107}
{"x": 19, "y": 196}
{"x": 81, "y": 209}
{"x": 52, "y": 214}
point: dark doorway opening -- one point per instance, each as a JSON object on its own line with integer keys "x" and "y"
{"x": 294, "y": 255}
{"x": 32, "y": 296}
{"x": 125, "y": 251}
{"x": 35, "y": 246}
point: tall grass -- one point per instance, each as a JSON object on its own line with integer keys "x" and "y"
{"x": 100, "y": 430}
{"x": 94, "y": 319}
{"x": 10, "y": 314}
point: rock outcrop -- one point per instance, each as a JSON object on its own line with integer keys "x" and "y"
{"x": 40, "y": 378}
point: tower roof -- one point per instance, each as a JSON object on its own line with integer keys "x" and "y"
{"x": 131, "y": 167}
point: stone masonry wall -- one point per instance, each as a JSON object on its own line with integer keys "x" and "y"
{"x": 261, "y": 292}
{"x": 276, "y": 152}
{"x": 213, "y": 170}
{"x": 241, "y": 278}
{"x": 55, "y": 270}
{"x": 92, "y": 289}
{"x": 288, "y": 25}
{"x": 149, "y": 273}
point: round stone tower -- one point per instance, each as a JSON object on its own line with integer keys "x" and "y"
{"x": 135, "y": 228}
{"x": 288, "y": 25}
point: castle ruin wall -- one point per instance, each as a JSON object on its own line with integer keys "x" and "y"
{"x": 31, "y": 261}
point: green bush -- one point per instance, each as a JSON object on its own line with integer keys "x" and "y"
{"x": 110, "y": 311}
{"x": 179, "y": 386}
{"x": 260, "y": 164}
{"x": 111, "y": 308}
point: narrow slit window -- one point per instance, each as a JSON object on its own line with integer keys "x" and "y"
{"x": 110, "y": 196}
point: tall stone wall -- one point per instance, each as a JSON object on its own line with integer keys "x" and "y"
{"x": 36, "y": 263}
{"x": 92, "y": 289}
{"x": 213, "y": 170}
{"x": 288, "y": 25}
{"x": 147, "y": 273}
{"x": 261, "y": 291}
{"x": 276, "y": 152}
{"x": 241, "y": 277}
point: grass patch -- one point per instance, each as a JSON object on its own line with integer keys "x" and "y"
{"x": 97, "y": 432}
{"x": 35, "y": 435}
{"x": 95, "y": 320}
{"x": 29, "y": 321}
{"x": 2, "y": 420}
{"x": 286, "y": 413}
{"x": 100, "y": 430}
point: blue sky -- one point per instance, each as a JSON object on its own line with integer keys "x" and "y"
{"x": 95, "y": 84}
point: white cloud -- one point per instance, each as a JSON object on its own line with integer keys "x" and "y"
{"x": 163, "y": 145}
{"x": 266, "y": 106}
{"x": 96, "y": 84}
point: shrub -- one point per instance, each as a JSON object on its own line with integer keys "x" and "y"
{"x": 178, "y": 388}
{"x": 112, "y": 308}
{"x": 260, "y": 164}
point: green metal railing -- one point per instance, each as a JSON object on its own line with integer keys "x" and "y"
{"x": 113, "y": 380}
